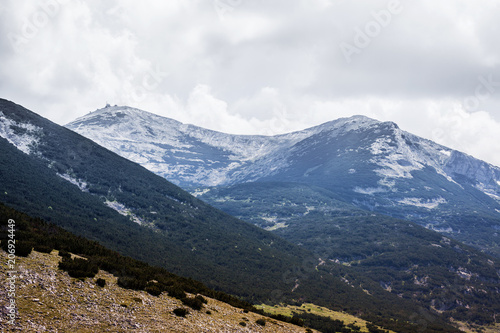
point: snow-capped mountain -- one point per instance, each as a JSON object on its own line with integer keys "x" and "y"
{"x": 56, "y": 174}
{"x": 185, "y": 154}
{"x": 371, "y": 164}
{"x": 193, "y": 156}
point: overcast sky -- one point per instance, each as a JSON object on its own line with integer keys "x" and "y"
{"x": 263, "y": 67}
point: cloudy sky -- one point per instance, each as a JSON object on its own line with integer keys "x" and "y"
{"x": 263, "y": 67}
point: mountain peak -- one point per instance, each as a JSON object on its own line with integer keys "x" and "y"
{"x": 116, "y": 113}
{"x": 346, "y": 124}
{"x": 122, "y": 121}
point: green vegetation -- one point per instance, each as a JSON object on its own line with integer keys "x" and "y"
{"x": 89, "y": 257}
{"x": 383, "y": 255}
{"x": 406, "y": 260}
{"x": 181, "y": 312}
{"x": 153, "y": 289}
{"x": 78, "y": 267}
{"x": 261, "y": 322}
{"x": 131, "y": 273}
{"x": 193, "y": 302}
{"x": 101, "y": 282}
{"x": 318, "y": 317}
{"x": 134, "y": 274}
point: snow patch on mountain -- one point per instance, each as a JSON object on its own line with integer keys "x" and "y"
{"x": 447, "y": 230}
{"x": 369, "y": 190}
{"x": 345, "y": 125}
{"x": 395, "y": 157}
{"x": 401, "y": 153}
{"x": 199, "y": 192}
{"x": 123, "y": 210}
{"x": 488, "y": 191}
{"x": 82, "y": 185}
{"x": 424, "y": 203}
{"x": 24, "y": 136}
{"x": 380, "y": 145}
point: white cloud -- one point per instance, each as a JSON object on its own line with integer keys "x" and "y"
{"x": 260, "y": 67}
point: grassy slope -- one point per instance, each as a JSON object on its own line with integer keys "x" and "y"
{"x": 49, "y": 300}
{"x": 290, "y": 310}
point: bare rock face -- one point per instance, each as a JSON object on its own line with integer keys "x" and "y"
{"x": 48, "y": 300}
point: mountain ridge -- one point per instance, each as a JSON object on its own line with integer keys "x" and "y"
{"x": 367, "y": 163}
{"x": 232, "y": 148}
{"x": 81, "y": 124}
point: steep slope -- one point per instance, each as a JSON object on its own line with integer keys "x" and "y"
{"x": 337, "y": 163}
{"x": 47, "y": 304}
{"x": 132, "y": 274}
{"x": 51, "y": 296}
{"x": 175, "y": 228}
{"x": 373, "y": 165}
{"x": 184, "y": 154}
{"x": 406, "y": 260}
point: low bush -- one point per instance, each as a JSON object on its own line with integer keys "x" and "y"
{"x": 23, "y": 249}
{"x": 153, "y": 289}
{"x": 181, "y": 312}
{"x": 176, "y": 292}
{"x": 131, "y": 283}
{"x": 194, "y": 303}
{"x": 100, "y": 282}
{"x": 261, "y": 322}
{"x": 78, "y": 267}
{"x": 202, "y": 299}
{"x": 43, "y": 248}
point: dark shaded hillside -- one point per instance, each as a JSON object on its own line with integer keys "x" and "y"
{"x": 383, "y": 169}
{"x": 222, "y": 251}
{"x": 35, "y": 234}
{"x": 44, "y": 237}
{"x": 133, "y": 274}
{"x": 402, "y": 257}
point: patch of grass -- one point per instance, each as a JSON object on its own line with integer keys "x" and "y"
{"x": 290, "y": 310}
